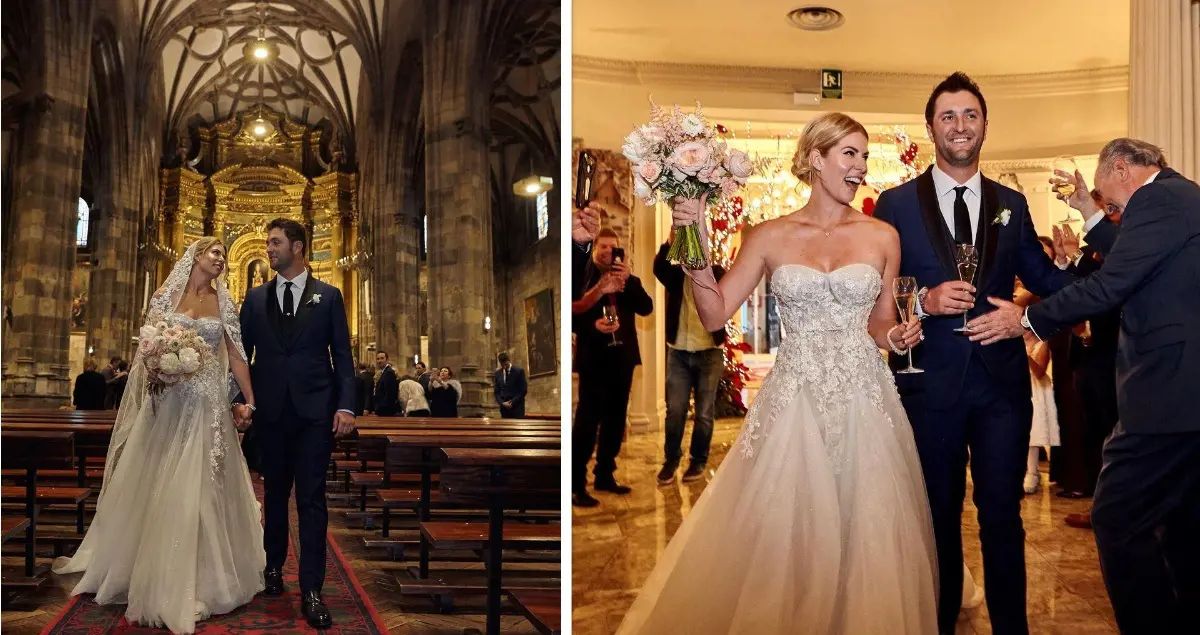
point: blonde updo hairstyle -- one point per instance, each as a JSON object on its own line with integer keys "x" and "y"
{"x": 821, "y": 134}
{"x": 206, "y": 243}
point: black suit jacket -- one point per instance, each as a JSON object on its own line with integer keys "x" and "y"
{"x": 591, "y": 346}
{"x": 1152, "y": 269}
{"x": 313, "y": 368}
{"x": 1006, "y": 251}
{"x": 90, "y": 391}
{"x": 512, "y": 390}
{"x": 387, "y": 394}
{"x": 673, "y": 278}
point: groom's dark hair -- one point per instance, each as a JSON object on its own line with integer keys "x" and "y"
{"x": 956, "y": 83}
{"x": 290, "y": 228}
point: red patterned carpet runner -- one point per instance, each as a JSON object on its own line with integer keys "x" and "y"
{"x": 353, "y": 613}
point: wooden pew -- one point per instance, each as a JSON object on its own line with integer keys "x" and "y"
{"x": 542, "y": 607}
{"x": 498, "y": 479}
{"x": 33, "y": 451}
{"x": 91, "y": 448}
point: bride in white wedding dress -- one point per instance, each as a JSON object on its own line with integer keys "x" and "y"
{"x": 819, "y": 523}
{"x": 177, "y": 533}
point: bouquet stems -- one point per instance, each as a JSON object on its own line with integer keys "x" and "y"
{"x": 687, "y": 250}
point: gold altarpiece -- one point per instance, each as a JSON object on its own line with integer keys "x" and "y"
{"x": 247, "y": 171}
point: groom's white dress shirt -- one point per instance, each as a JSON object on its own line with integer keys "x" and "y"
{"x": 298, "y": 284}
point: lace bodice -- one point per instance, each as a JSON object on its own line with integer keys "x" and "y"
{"x": 208, "y": 327}
{"x": 826, "y": 348}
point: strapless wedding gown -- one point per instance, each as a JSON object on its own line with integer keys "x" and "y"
{"x": 819, "y": 523}
{"x": 177, "y": 533}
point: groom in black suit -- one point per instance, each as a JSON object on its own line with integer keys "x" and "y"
{"x": 970, "y": 397}
{"x": 292, "y": 328}
{"x": 1146, "y": 510}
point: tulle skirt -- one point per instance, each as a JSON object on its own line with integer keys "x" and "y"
{"x": 794, "y": 541}
{"x": 177, "y": 533}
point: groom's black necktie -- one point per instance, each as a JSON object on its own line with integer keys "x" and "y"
{"x": 962, "y": 218}
{"x": 288, "y": 304}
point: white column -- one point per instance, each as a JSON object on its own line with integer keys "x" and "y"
{"x": 1164, "y": 79}
{"x": 647, "y": 400}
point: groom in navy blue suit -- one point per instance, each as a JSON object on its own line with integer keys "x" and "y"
{"x": 294, "y": 328}
{"x": 971, "y": 398}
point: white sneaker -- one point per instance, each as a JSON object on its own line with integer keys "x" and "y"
{"x": 1032, "y": 482}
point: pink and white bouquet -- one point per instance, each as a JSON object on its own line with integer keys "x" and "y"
{"x": 681, "y": 154}
{"x": 171, "y": 352}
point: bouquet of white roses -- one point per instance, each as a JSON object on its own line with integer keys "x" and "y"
{"x": 680, "y": 154}
{"x": 171, "y": 353}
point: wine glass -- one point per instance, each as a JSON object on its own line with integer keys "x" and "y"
{"x": 904, "y": 289}
{"x": 611, "y": 318}
{"x": 967, "y": 260}
{"x": 1064, "y": 190}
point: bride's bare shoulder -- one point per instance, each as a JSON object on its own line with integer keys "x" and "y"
{"x": 877, "y": 230}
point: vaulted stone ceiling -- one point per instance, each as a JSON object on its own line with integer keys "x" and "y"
{"x": 302, "y": 57}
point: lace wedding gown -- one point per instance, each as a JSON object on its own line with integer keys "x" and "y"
{"x": 177, "y": 533}
{"x": 819, "y": 524}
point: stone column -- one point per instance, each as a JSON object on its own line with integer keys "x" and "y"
{"x": 1164, "y": 79}
{"x": 458, "y": 198}
{"x": 110, "y": 320}
{"x": 45, "y": 190}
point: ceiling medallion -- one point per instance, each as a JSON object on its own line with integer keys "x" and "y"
{"x": 816, "y": 18}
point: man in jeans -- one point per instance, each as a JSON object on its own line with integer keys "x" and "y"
{"x": 695, "y": 362}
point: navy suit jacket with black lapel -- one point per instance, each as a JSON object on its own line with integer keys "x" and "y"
{"x": 313, "y": 367}
{"x": 1006, "y": 250}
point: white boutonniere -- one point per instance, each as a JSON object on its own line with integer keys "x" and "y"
{"x": 1002, "y": 217}
{"x": 316, "y": 299}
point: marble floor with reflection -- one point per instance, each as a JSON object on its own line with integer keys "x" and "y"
{"x": 616, "y": 545}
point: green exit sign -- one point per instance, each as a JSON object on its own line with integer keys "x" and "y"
{"x": 831, "y": 84}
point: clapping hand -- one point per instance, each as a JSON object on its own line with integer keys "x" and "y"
{"x": 1066, "y": 243}
{"x": 1081, "y": 198}
{"x": 585, "y": 224}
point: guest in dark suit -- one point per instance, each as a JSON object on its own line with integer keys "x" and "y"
{"x": 423, "y": 377}
{"x": 971, "y": 400}
{"x": 90, "y": 388}
{"x": 605, "y": 369}
{"x": 1146, "y": 510}
{"x": 387, "y": 387}
{"x": 364, "y": 388}
{"x": 119, "y": 383}
{"x": 509, "y": 387}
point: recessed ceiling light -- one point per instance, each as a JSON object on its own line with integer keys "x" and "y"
{"x": 816, "y": 18}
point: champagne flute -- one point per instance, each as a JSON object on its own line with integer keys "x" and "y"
{"x": 968, "y": 261}
{"x": 904, "y": 289}
{"x": 1065, "y": 190}
{"x": 611, "y": 318}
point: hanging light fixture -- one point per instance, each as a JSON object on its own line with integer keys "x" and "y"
{"x": 533, "y": 185}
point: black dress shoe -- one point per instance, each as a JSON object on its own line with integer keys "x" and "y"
{"x": 583, "y": 499}
{"x": 314, "y": 610}
{"x": 611, "y": 487}
{"x": 274, "y": 582}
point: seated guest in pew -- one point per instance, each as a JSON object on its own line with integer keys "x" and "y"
{"x": 90, "y": 388}
{"x": 510, "y": 387}
{"x": 387, "y": 387}
{"x": 412, "y": 398}
{"x": 444, "y": 394}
